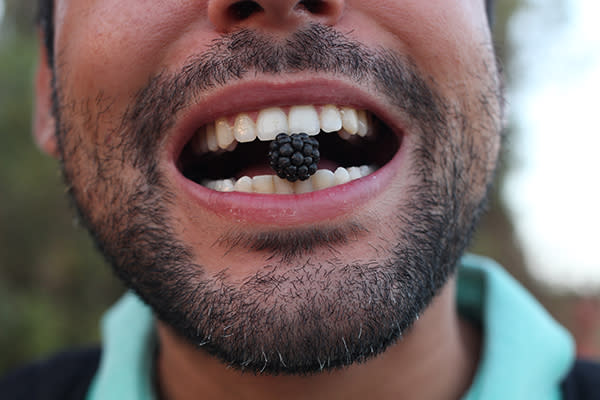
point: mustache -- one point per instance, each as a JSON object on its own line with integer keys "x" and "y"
{"x": 235, "y": 56}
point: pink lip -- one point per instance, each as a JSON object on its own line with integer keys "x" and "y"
{"x": 283, "y": 210}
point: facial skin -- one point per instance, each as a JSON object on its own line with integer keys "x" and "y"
{"x": 133, "y": 81}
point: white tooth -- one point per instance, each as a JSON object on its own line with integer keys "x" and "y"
{"x": 263, "y": 184}
{"x": 345, "y": 135}
{"x": 211, "y": 138}
{"x": 303, "y": 186}
{"x": 350, "y": 120}
{"x": 228, "y": 185}
{"x": 244, "y": 129}
{"x": 304, "y": 119}
{"x": 322, "y": 179}
{"x": 224, "y": 133}
{"x": 271, "y": 122}
{"x": 354, "y": 173}
{"x": 341, "y": 176}
{"x": 232, "y": 146}
{"x": 244, "y": 184}
{"x": 282, "y": 186}
{"x": 331, "y": 119}
{"x": 198, "y": 142}
{"x": 209, "y": 184}
{"x": 363, "y": 123}
{"x": 225, "y": 185}
{"x": 365, "y": 170}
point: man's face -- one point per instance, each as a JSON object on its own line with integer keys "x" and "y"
{"x": 322, "y": 276}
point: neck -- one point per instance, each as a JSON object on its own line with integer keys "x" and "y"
{"x": 439, "y": 345}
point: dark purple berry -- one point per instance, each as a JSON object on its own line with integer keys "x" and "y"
{"x": 303, "y": 172}
{"x": 283, "y": 162}
{"x": 291, "y": 173}
{"x": 297, "y": 143}
{"x": 307, "y": 149}
{"x": 286, "y": 150}
{"x": 294, "y": 157}
{"x": 297, "y": 159}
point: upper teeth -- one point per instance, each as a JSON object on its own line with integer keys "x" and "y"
{"x": 224, "y": 133}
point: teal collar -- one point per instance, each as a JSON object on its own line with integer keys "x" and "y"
{"x": 126, "y": 366}
{"x": 525, "y": 352}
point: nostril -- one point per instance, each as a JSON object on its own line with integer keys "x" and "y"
{"x": 244, "y": 9}
{"x": 229, "y": 15}
{"x": 314, "y": 6}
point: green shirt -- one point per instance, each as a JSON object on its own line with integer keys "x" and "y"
{"x": 525, "y": 352}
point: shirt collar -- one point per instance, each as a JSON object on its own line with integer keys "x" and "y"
{"x": 129, "y": 340}
{"x": 525, "y": 352}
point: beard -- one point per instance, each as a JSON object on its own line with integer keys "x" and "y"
{"x": 299, "y": 315}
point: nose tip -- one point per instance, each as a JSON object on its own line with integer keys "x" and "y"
{"x": 229, "y": 15}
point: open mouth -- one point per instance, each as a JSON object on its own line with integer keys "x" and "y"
{"x": 231, "y": 153}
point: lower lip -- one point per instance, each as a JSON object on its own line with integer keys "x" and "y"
{"x": 292, "y": 210}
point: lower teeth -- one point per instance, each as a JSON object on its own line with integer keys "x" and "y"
{"x": 272, "y": 184}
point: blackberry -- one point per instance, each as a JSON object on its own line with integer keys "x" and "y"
{"x": 295, "y": 156}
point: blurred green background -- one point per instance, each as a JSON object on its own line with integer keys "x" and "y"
{"x": 54, "y": 286}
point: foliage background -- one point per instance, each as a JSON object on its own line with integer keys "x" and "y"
{"x": 53, "y": 285}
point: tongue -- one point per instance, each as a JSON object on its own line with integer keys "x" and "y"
{"x": 256, "y": 170}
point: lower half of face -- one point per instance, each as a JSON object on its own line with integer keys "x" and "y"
{"x": 235, "y": 271}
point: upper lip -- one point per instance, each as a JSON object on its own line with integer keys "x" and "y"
{"x": 258, "y": 94}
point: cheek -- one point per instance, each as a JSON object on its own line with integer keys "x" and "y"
{"x": 442, "y": 36}
{"x": 113, "y": 47}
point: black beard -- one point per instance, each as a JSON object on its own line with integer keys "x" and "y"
{"x": 309, "y": 316}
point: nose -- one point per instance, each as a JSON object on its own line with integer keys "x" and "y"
{"x": 229, "y": 15}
